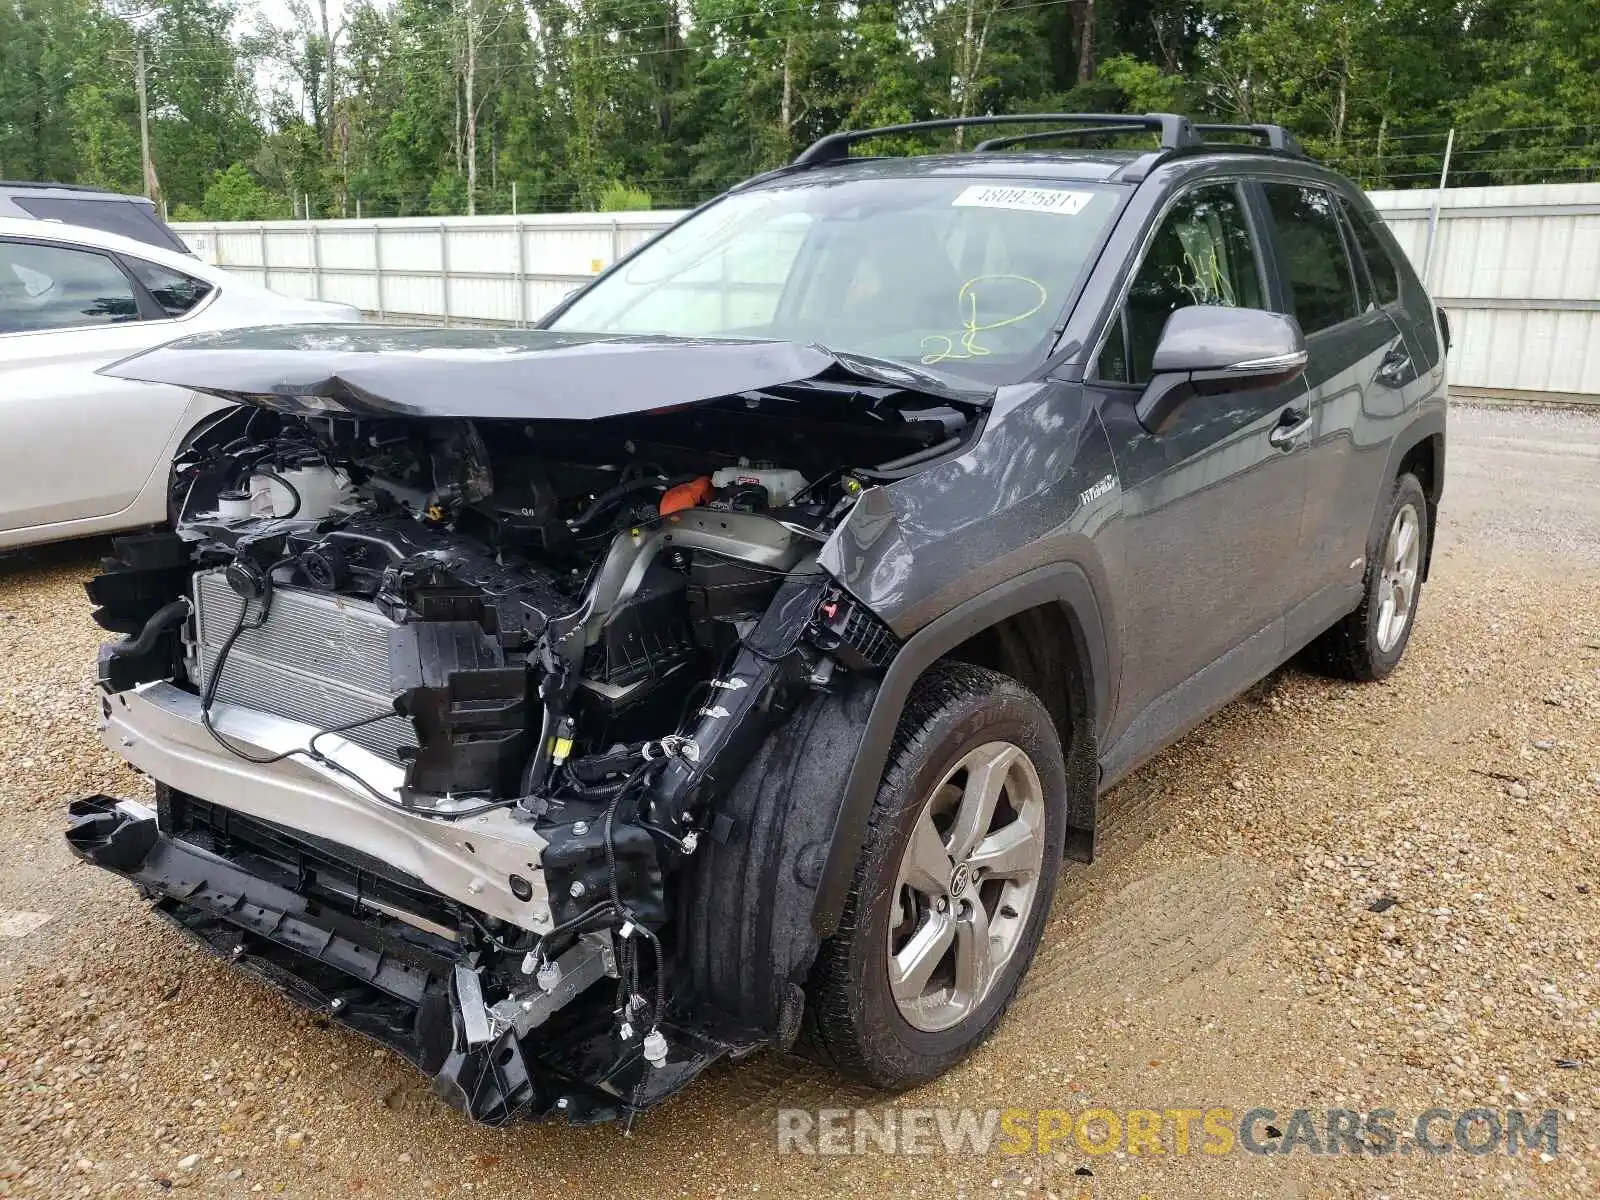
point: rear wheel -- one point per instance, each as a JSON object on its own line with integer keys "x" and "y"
{"x": 954, "y": 884}
{"x": 1369, "y": 643}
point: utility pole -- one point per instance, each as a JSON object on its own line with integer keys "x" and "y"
{"x": 151, "y": 185}
{"x": 1438, "y": 201}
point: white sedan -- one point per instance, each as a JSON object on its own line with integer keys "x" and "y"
{"x": 81, "y": 453}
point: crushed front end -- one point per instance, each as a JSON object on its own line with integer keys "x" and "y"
{"x": 439, "y": 709}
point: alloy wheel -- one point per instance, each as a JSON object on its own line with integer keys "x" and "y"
{"x": 967, "y": 885}
{"x": 1397, "y": 580}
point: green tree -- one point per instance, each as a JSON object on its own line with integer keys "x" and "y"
{"x": 235, "y": 195}
{"x": 203, "y": 106}
{"x": 442, "y": 106}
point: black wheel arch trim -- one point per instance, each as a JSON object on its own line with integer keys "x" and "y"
{"x": 1065, "y": 584}
{"x": 1428, "y": 424}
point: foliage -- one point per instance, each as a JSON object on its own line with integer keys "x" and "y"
{"x": 619, "y": 197}
{"x": 234, "y": 195}
{"x": 401, "y": 107}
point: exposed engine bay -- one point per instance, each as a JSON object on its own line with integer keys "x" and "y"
{"x": 440, "y": 709}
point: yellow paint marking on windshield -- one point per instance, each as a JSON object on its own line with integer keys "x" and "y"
{"x": 966, "y": 345}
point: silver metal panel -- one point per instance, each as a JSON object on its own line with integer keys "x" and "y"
{"x": 321, "y": 660}
{"x": 157, "y": 728}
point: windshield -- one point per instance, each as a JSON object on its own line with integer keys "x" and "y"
{"x": 960, "y": 275}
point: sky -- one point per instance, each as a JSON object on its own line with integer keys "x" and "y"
{"x": 277, "y": 12}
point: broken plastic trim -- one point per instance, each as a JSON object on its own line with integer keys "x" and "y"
{"x": 401, "y": 995}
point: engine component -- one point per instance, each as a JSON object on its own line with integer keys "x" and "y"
{"x": 687, "y": 495}
{"x": 645, "y": 635}
{"x": 723, "y": 588}
{"x": 492, "y": 682}
{"x": 324, "y": 567}
{"x": 526, "y": 509}
{"x": 782, "y": 485}
{"x": 247, "y": 578}
{"x": 307, "y": 493}
{"x": 318, "y": 659}
{"x": 469, "y": 709}
{"x": 234, "y": 505}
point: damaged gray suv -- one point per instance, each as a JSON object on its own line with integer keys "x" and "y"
{"x": 734, "y": 660}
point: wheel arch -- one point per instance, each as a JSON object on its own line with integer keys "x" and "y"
{"x": 206, "y": 420}
{"x": 1007, "y": 628}
{"x": 1420, "y": 451}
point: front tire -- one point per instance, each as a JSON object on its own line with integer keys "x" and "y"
{"x": 1368, "y": 644}
{"x": 953, "y": 888}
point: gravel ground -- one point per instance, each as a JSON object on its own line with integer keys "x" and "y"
{"x": 1227, "y": 948}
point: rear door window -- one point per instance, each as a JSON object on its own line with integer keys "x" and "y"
{"x": 1380, "y": 267}
{"x": 60, "y": 287}
{"x": 176, "y": 292}
{"x": 1312, "y": 253}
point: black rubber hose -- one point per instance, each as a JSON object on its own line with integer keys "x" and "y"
{"x": 910, "y": 464}
{"x": 293, "y": 491}
{"x": 611, "y": 495}
{"x": 160, "y": 621}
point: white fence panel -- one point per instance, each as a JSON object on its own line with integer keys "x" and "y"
{"x": 1517, "y": 269}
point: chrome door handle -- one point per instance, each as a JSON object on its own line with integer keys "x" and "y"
{"x": 1394, "y": 367}
{"x": 1284, "y": 437}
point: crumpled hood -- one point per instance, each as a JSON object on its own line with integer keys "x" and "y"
{"x": 520, "y": 374}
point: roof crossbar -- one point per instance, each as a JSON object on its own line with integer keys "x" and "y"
{"x": 1015, "y": 139}
{"x": 1176, "y": 132}
{"x": 1274, "y": 137}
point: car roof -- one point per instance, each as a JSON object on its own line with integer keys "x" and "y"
{"x": 82, "y": 190}
{"x": 80, "y": 204}
{"x": 1076, "y": 164}
{"x": 99, "y": 239}
{"x": 1079, "y": 165}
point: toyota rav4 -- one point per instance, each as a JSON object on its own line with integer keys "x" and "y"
{"x": 733, "y": 660}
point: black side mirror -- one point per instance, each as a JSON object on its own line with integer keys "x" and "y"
{"x": 1206, "y": 349}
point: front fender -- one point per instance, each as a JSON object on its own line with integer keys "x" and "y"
{"x": 1065, "y": 584}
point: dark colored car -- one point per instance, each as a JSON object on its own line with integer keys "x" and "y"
{"x": 77, "y": 204}
{"x": 733, "y": 661}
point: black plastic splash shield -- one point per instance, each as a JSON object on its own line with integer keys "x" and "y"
{"x": 394, "y": 992}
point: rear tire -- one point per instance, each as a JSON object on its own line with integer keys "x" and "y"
{"x": 957, "y": 945}
{"x": 1368, "y": 644}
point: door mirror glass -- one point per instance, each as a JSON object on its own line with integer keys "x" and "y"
{"x": 1205, "y": 349}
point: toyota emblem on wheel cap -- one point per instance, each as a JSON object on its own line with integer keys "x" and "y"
{"x": 960, "y": 878}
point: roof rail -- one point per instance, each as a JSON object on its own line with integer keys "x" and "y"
{"x": 1176, "y": 132}
{"x": 1274, "y": 137}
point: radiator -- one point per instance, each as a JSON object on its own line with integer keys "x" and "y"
{"x": 320, "y": 659}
